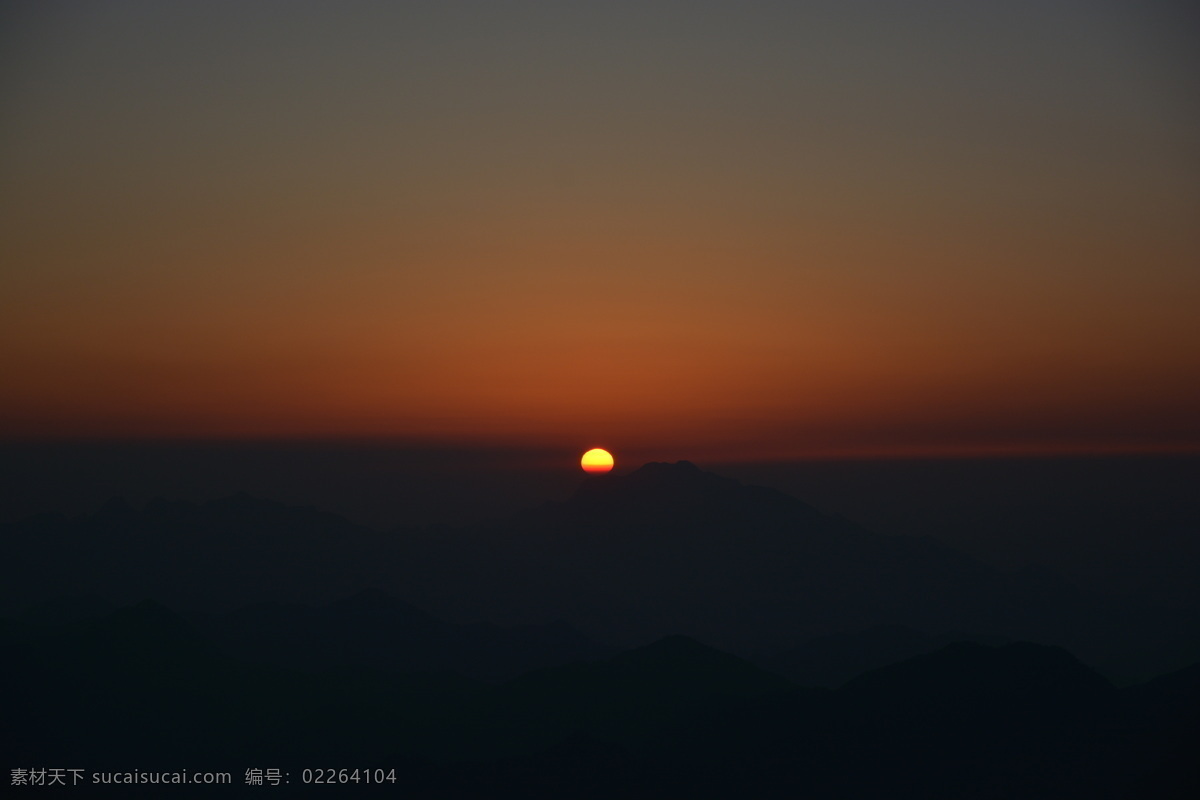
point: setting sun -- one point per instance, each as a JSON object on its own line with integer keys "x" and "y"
{"x": 596, "y": 461}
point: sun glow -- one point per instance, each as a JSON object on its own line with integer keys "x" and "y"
{"x": 596, "y": 461}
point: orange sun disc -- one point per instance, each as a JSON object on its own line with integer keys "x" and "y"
{"x": 596, "y": 461}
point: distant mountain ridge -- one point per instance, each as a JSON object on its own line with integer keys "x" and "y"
{"x": 665, "y": 549}
{"x": 671, "y": 548}
{"x": 376, "y": 630}
{"x": 669, "y": 719}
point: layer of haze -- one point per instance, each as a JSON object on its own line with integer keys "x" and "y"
{"x": 757, "y": 228}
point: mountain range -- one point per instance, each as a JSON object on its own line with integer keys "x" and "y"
{"x": 144, "y": 686}
{"x": 661, "y": 634}
{"x": 667, "y": 549}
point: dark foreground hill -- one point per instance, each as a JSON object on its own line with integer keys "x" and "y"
{"x": 142, "y": 688}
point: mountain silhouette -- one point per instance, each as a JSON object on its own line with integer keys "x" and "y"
{"x": 626, "y": 559}
{"x": 672, "y": 718}
{"x": 969, "y": 678}
{"x": 376, "y": 630}
{"x": 672, "y": 548}
{"x": 681, "y": 492}
{"x": 833, "y": 659}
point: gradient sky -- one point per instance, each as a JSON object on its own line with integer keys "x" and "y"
{"x": 736, "y": 228}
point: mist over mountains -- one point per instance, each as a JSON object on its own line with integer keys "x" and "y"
{"x": 662, "y": 632}
{"x": 667, "y": 549}
{"x": 673, "y": 718}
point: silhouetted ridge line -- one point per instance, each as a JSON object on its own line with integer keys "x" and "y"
{"x": 375, "y": 629}
{"x": 668, "y": 548}
{"x": 659, "y": 490}
{"x": 685, "y": 663}
{"x": 674, "y": 718}
{"x": 657, "y": 477}
{"x": 1008, "y": 676}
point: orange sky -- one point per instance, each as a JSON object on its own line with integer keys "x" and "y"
{"x": 754, "y": 231}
